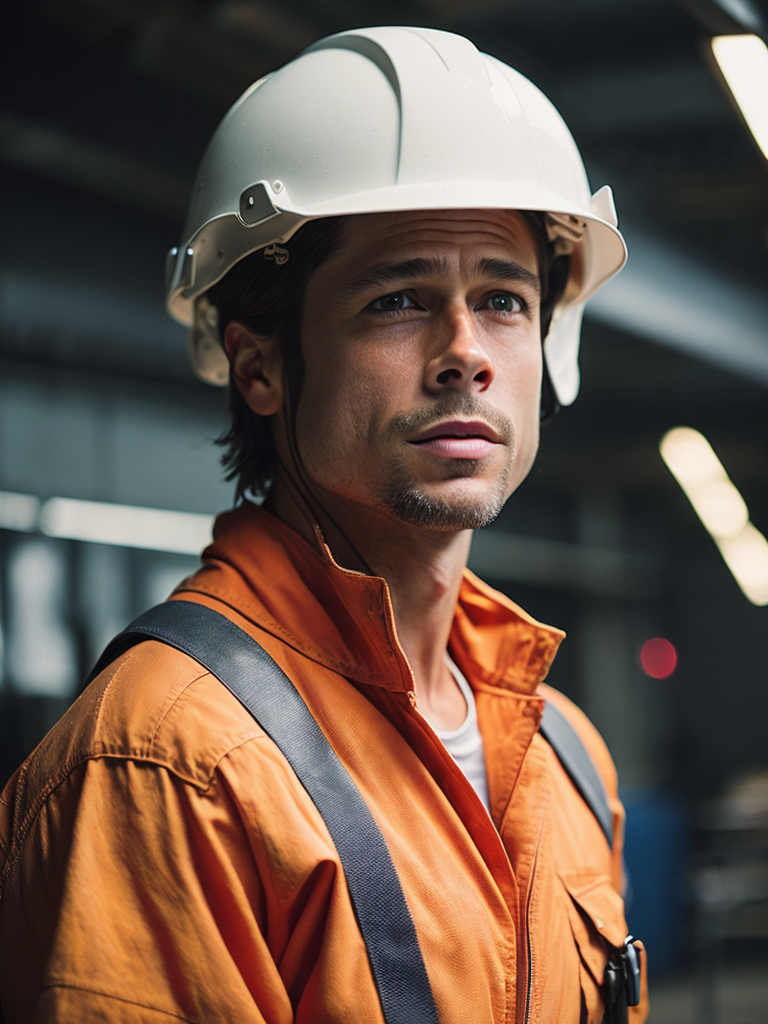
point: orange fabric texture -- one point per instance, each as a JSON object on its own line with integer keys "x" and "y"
{"x": 159, "y": 860}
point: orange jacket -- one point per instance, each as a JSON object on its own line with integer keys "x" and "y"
{"x": 159, "y": 860}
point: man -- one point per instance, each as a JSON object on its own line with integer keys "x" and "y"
{"x": 381, "y": 236}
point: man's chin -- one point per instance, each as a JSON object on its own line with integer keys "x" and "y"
{"x": 463, "y": 512}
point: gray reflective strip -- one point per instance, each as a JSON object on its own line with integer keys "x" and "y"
{"x": 573, "y": 756}
{"x": 246, "y": 669}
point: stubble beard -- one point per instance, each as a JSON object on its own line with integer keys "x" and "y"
{"x": 405, "y": 499}
{"x": 409, "y": 504}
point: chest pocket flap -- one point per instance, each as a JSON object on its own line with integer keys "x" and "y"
{"x": 596, "y": 914}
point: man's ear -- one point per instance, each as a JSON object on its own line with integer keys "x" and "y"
{"x": 257, "y": 368}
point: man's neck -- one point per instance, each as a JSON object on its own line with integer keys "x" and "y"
{"x": 424, "y": 580}
{"x": 423, "y": 570}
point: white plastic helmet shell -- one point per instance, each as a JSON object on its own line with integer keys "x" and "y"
{"x": 385, "y": 119}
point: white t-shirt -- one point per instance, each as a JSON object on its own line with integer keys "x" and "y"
{"x": 465, "y": 744}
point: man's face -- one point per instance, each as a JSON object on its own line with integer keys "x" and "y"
{"x": 423, "y": 370}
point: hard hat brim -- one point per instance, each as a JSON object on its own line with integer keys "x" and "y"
{"x": 603, "y": 249}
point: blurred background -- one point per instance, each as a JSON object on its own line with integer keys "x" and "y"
{"x": 655, "y": 565}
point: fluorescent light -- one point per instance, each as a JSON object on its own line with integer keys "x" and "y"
{"x": 721, "y": 508}
{"x": 129, "y": 526}
{"x": 743, "y": 61}
{"x": 746, "y": 555}
{"x": 100, "y": 522}
{"x": 692, "y": 461}
{"x": 690, "y": 457}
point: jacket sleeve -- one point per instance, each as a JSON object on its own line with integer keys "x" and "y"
{"x": 133, "y": 895}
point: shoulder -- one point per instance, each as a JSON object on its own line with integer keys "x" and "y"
{"x": 153, "y": 706}
{"x": 158, "y": 704}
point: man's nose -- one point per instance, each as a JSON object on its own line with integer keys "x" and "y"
{"x": 459, "y": 358}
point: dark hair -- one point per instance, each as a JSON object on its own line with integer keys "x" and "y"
{"x": 268, "y": 299}
{"x": 553, "y": 272}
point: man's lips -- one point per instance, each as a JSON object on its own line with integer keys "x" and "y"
{"x": 458, "y": 439}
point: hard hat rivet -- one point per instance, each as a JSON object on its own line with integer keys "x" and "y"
{"x": 277, "y": 186}
{"x": 249, "y": 201}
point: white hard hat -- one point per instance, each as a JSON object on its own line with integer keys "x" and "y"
{"x": 385, "y": 119}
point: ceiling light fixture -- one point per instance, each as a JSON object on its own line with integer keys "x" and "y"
{"x": 743, "y": 61}
{"x": 101, "y": 522}
{"x": 129, "y": 526}
{"x": 719, "y": 505}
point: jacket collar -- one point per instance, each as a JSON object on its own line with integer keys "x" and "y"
{"x": 342, "y": 619}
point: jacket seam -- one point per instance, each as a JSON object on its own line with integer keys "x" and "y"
{"x": 66, "y": 770}
{"x": 21, "y": 835}
{"x": 117, "y": 998}
{"x": 269, "y": 625}
{"x": 348, "y": 669}
{"x": 172, "y": 704}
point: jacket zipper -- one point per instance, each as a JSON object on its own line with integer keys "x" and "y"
{"x": 528, "y": 944}
{"x": 422, "y": 721}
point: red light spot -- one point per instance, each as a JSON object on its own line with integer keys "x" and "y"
{"x": 658, "y": 658}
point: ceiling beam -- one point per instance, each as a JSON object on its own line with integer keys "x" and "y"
{"x": 674, "y": 299}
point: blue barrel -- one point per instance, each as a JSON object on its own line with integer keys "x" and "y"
{"x": 656, "y": 854}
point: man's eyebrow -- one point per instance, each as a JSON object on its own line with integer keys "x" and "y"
{"x": 401, "y": 273}
{"x": 396, "y": 273}
{"x": 508, "y": 270}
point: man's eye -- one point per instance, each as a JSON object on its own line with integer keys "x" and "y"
{"x": 398, "y": 300}
{"x": 504, "y": 302}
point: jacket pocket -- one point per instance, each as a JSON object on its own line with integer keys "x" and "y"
{"x": 596, "y": 915}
